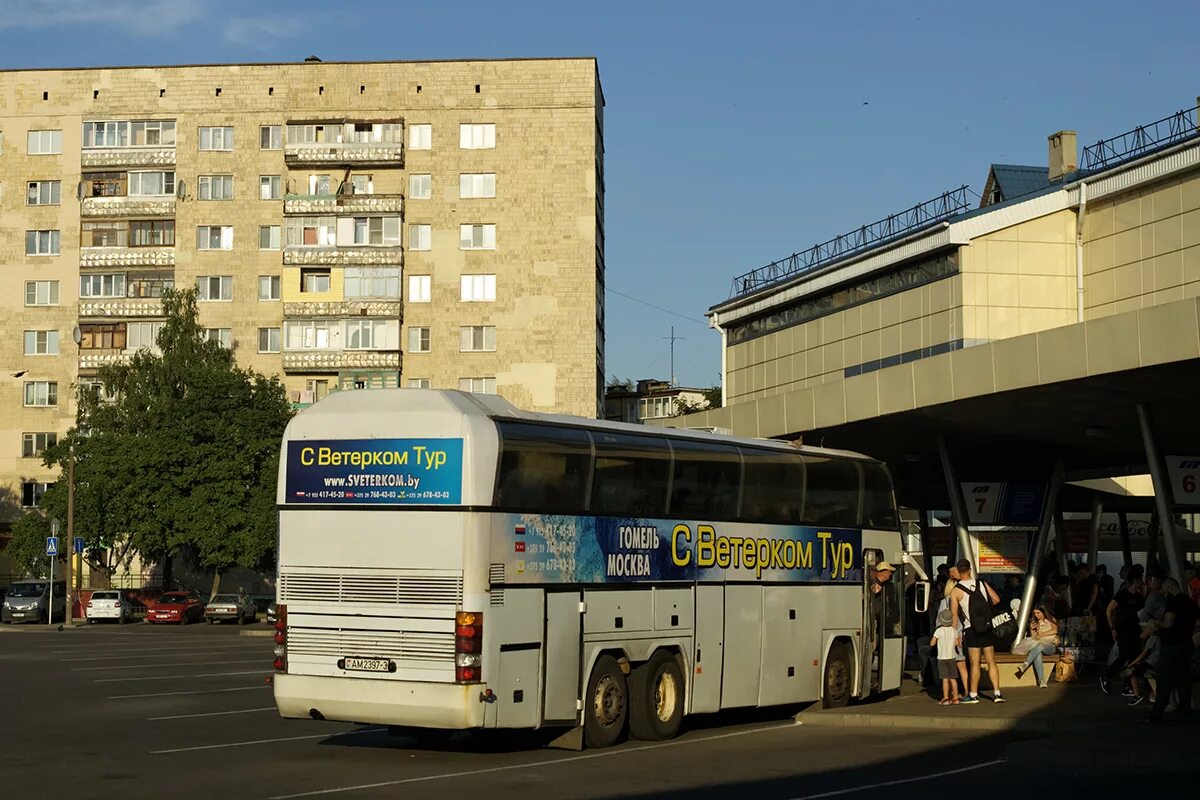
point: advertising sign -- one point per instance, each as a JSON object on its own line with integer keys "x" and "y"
{"x": 537, "y": 548}
{"x": 1004, "y": 503}
{"x": 375, "y": 471}
{"x": 1002, "y": 551}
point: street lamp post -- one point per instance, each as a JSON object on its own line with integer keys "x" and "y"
{"x": 77, "y": 336}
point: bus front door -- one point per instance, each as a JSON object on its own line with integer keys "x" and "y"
{"x": 883, "y": 627}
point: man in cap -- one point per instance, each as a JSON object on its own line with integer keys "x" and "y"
{"x": 880, "y": 613}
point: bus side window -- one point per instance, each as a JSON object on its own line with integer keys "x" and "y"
{"x": 879, "y": 503}
{"x": 631, "y": 476}
{"x": 543, "y": 469}
{"x": 832, "y": 491}
{"x": 705, "y": 481}
{"x": 772, "y": 487}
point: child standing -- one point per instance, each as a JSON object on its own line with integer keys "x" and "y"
{"x": 947, "y": 657}
{"x": 1142, "y": 667}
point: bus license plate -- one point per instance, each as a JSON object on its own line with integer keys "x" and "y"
{"x": 367, "y": 664}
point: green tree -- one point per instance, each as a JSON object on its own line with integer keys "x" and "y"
{"x": 183, "y": 461}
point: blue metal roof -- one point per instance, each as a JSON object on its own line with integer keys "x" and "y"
{"x": 1016, "y": 180}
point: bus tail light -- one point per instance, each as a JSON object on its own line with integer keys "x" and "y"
{"x": 281, "y": 638}
{"x": 468, "y": 647}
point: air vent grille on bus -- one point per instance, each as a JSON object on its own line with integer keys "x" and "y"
{"x": 332, "y": 587}
{"x": 396, "y": 645}
{"x": 496, "y": 584}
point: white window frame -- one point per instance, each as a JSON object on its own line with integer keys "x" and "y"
{"x": 44, "y": 143}
{"x": 477, "y": 339}
{"x": 377, "y": 231}
{"x": 214, "y": 288}
{"x": 36, "y": 443}
{"x": 477, "y": 236}
{"x": 477, "y": 135}
{"x": 106, "y": 284}
{"x": 420, "y": 187}
{"x": 204, "y": 237}
{"x": 362, "y": 184}
{"x": 274, "y": 237}
{"x": 420, "y": 287}
{"x": 37, "y": 494}
{"x": 477, "y": 385}
{"x": 315, "y": 275}
{"x": 358, "y": 331}
{"x": 371, "y": 282}
{"x": 273, "y": 135}
{"x": 222, "y": 336}
{"x": 214, "y": 187}
{"x": 272, "y": 285}
{"x": 142, "y": 336}
{"x": 39, "y": 289}
{"x": 273, "y": 338}
{"x": 420, "y": 136}
{"x": 43, "y": 193}
{"x": 44, "y": 242}
{"x": 476, "y": 185}
{"x": 419, "y": 339}
{"x": 40, "y": 394}
{"x": 309, "y": 334}
{"x": 270, "y": 187}
{"x": 419, "y": 383}
{"x": 166, "y": 179}
{"x": 420, "y": 237}
{"x": 326, "y": 228}
{"x": 41, "y": 343}
{"x": 217, "y": 138}
{"x": 477, "y": 288}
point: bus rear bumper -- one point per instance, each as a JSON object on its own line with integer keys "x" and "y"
{"x": 445, "y": 706}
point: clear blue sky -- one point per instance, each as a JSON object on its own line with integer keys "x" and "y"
{"x": 736, "y": 133}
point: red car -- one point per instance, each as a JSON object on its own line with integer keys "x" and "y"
{"x": 180, "y": 607}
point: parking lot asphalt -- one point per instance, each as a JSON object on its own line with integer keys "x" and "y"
{"x": 120, "y": 711}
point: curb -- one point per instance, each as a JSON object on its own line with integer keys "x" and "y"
{"x": 35, "y": 629}
{"x": 836, "y": 719}
{"x": 257, "y": 634}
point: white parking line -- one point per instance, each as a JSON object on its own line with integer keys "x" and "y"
{"x": 178, "y": 694}
{"x": 154, "y": 655}
{"x": 180, "y": 677}
{"x": 264, "y": 741}
{"x": 265, "y": 661}
{"x": 899, "y": 781}
{"x": 545, "y": 763}
{"x": 213, "y": 713}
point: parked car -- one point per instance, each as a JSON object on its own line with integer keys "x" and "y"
{"x": 180, "y": 607}
{"x": 227, "y": 607}
{"x": 29, "y": 601}
{"x": 271, "y": 614}
{"x": 109, "y": 604}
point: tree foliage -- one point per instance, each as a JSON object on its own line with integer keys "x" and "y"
{"x": 182, "y": 462}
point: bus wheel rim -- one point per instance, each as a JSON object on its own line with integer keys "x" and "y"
{"x": 666, "y": 696}
{"x": 607, "y": 702}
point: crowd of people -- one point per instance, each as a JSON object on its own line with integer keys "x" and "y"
{"x": 1147, "y": 630}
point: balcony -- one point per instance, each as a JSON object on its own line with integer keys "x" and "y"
{"x": 104, "y": 257}
{"x": 127, "y": 207}
{"x": 344, "y": 204}
{"x": 353, "y": 256}
{"x": 330, "y": 360}
{"x": 103, "y": 157}
{"x": 99, "y": 308}
{"x": 95, "y": 359}
{"x": 390, "y": 154}
{"x": 392, "y": 309}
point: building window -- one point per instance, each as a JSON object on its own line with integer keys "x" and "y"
{"x": 41, "y": 343}
{"x": 41, "y": 393}
{"x": 143, "y": 335}
{"x": 32, "y": 493}
{"x": 103, "y": 184}
{"x": 477, "y": 338}
{"x": 420, "y": 137}
{"x": 270, "y": 137}
{"x": 308, "y": 334}
{"x": 372, "y": 281}
{"x": 152, "y": 184}
{"x": 362, "y": 184}
{"x": 477, "y": 237}
{"x": 418, "y": 340}
{"x": 216, "y": 138}
{"x": 152, "y": 233}
{"x": 124, "y": 133}
{"x": 151, "y": 284}
{"x": 377, "y": 230}
{"x": 268, "y": 340}
{"x": 41, "y": 243}
{"x": 369, "y": 132}
{"x": 110, "y": 285}
{"x": 102, "y": 336}
{"x": 41, "y": 293}
{"x": 478, "y": 288}
{"x": 311, "y": 232}
{"x": 477, "y": 185}
{"x": 222, "y": 336}
{"x": 269, "y": 187}
{"x": 320, "y": 185}
{"x": 477, "y": 136}
{"x": 268, "y": 237}
{"x": 43, "y": 193}
{"x": 419, "y": 237}
{"x": 34, "y": 444}
{"x": 268, "y": 287}
{"x": 215, "y": 287}
{"x": 214, "y": 237}
{"x": 478, "y": 385}
{"x": 319, "y": 387}
{"x": 314, "y": 280}
{"x": 365, "y": 334}
{"x": 419, "y": 383}
{"x": 418, "y": 288}
{"x": 214, "y": 187}
{"x": 420, "y": 187}
{"x": 45, "y": 143}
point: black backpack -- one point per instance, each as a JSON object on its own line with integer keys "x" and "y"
{"x": 980, "y": 607}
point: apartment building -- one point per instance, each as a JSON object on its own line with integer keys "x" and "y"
{"x": 347, "y": 226}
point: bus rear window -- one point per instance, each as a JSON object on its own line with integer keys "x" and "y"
{"x": 879, "y": 503}
{"x": 705, "y": 481}
{"x": 773, "y": 487}
{"x": 832, "y": 492}
{"x": 631, "y": 475}
{"x": 543, "y": 469}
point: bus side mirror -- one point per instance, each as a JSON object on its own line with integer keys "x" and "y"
{"x": 921, "y": 601}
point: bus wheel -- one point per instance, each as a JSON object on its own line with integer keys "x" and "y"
{"x": 836, "y": 688}
{"x": 606, "y": 704}
{"x": 656, "y": 698}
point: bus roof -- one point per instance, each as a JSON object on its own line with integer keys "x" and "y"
{"x": 373, "y": 409}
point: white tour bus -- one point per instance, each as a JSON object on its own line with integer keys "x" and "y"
{"x": 448, "y": 561}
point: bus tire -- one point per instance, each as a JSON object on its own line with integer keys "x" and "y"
{"x": 606, "y": 705}
{"x": 656, "y": 693}
{"x": 838, "y": 678}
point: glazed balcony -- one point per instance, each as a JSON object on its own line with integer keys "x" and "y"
{"x": 332, "y": 360}
{"x": 343, "y": 205}
{"x": 113, "y": 207}
{"x": 95, "y": 359}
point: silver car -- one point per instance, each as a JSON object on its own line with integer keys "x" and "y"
{"x": 225, "y": 607}
{"x": 29, "y": 601}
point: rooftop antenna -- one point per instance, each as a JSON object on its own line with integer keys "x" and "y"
{"x": 673, "y": 339}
